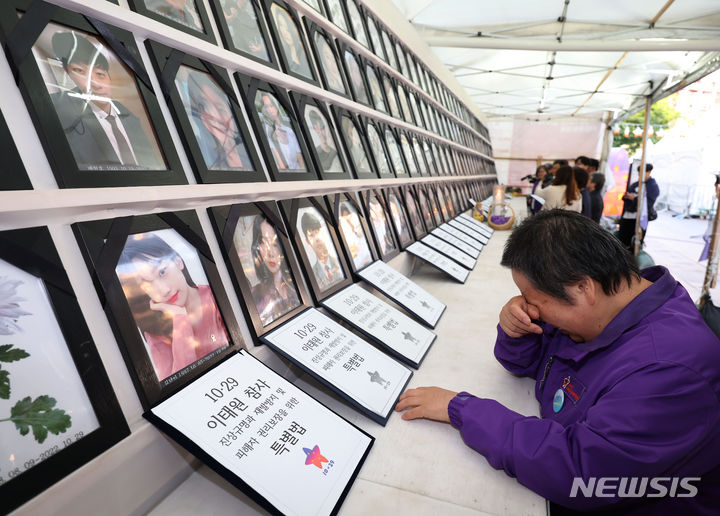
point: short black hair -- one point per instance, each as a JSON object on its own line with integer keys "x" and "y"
{"x": 584, "y": 160}
{"x": 599, "y": 179}
{"x": 581, "y": 177}
{"x": 561, "y": 162}
{"x": 309, "y": 222}
{"x": 557, "y": 248}
{"x": 595, "y": 164}
{"x": 648, "y": 167}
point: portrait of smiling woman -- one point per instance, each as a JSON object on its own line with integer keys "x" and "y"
{"x": 177, "y": 317}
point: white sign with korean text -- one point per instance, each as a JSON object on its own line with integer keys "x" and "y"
{"x": 296, "y": 453}
{"x": 403, "y": 291}
{"x": 438, "y": 260}
{"x": 449, "y": 250}
{"x": 350, "y": 364}
{"x": 467, "y": 233}
{"x": 381, "y": 321}
{"x": 483, "y": 228}
{"x": 457, "y": 242}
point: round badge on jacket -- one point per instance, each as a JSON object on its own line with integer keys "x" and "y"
{"x": 558, "y": 400}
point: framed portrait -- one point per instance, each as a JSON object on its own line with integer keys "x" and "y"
{"x": 356, "y": 146}
{"x": 399, "y": 217}
{"x": 419, "y": 156}
{"x": 356, "y": 17}
{"x": 57, "y": 404}
{"x": 427, "y": 123}
{"x": 264, "y": 269}
{"x": 412, "y": 65}
{"x": 277, "y": 130}
{"x": 450, "y": 204}
{"x": 336, "y": 14}
{"x": 439, "y": 164}
{"x": 434, "y": 205}
{"x": 317, "y": 244}
{"x": 375, "y": 39}
{"x": 14, "y": 176}
{"x": 407, "y": 151}
{"x": 375, "y": 90}
{"x": 163, "y": 297}
{"x": 378, "y": 148}
{"x": 95, "y": 112}
{"x": 243, "y": 29}
{"x": 389, "y": 50}
{"x": 289, "y": 41}
{"x": 426, "y": 210}
{"x": 355, "y": 74}
{"x": 353, "y": 230}
{"x": 391, "y": 96}
{"x": 395, "y": 153}
{"x": 445, "y": 153}
{"x": 210, "y": 120}
{"x": 321, "y": 136}
{"x": 400, "y": 53}
{"x": 414, "y": 212}
{"x": 431, "y": 118}
{"x": 185, "y": 15}
{"x": 430, "y": 159}
{"x": 415, "y": 110}
{"x": 437, "y": 192}
{"x": 315, "y": 4}
{"x": 404, "y": 106}
{"x": 327, "y": 60}
{"x": 376, "y": 209}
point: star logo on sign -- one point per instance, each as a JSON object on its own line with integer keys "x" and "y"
{"x": 314, "y": 457}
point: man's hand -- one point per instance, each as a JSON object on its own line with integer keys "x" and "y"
{"x": 516, "y": 315}
{"x": 426, "y": 402}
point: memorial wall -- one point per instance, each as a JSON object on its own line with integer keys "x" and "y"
{"x": 199, "y": 199}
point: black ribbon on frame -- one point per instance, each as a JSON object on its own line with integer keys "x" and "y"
{"x": 26, "y": 32}
{"x": 170, "y": 70}
{"x": 274, "y": 219}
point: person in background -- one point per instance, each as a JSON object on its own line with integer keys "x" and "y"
{"x": 581, "y": 178}
{"x": 597, "y": 205}
{"x": 539, "y": 182}
{"x": 563, "y": 193}
{"x": 627, "y": 375}
{"x": 630, "y": 208}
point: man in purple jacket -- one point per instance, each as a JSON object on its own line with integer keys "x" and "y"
{"x": 628, "y": 379}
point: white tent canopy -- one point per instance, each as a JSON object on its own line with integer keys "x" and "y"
{"x": 545, "y": 59}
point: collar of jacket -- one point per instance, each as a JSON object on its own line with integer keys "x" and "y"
{"x": 646, "y": 302}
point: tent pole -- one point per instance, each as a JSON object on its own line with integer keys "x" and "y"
{"x": 712, "y": 266}
{"x": 641, "y": 179}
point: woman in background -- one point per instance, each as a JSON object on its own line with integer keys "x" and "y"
{"x": 563, "y": 193}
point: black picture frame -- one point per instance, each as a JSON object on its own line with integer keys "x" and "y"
{"x": 199, "y": 135}
{"x": 335, "y": 12}
{"x": 417, "y": 219}
{"x": 89, "y": 138}
{"x": 32, "y": 250}
{"x": 226, "y": 221}
{"x": 414, "y": 103}
{"x": 231, "y": 31}
{"x": 374, "y": 36}
{"x": 438, "y": 198}
{"x": 404, "y": 138}
{"x": 15, "y": 175}
{"x": 398, "y": 215}
{"x": 378, "y": 147}
{"x": 306, "y": 107}
{"x": 316, "y": 5}
{"x": 200, "y": 17}
{"x": 356, "y": 18}
{"x": 356, "y": 75}
{"x": 419, "y": 154}
{"x": 395, "y": 153}
{"x": 375, "y": 88}
{"x": 380, "y": 225}
{"x": 425, "y": 207}
{"x": 429, "y": 158}
{"x": 388, "y": 84}
{"x": 304, "y": 71}
{"x": 404, "y": 103}
{"x": 402, "y": 60}
{"x": 102, "y": 242}
{"x": 291, "y": 209}
{"x": 344, "y": 222}
{"x": 355, "y": 143}
{"x": 323, "y": 43}
{"x": 250, "y": 87}
{"x": 387, "y": 40}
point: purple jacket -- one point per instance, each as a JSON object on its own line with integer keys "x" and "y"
{"x": 640, "y": 400}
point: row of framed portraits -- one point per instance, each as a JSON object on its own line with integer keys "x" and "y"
{"x": 101, "y": 124}
{"x": 159, "y": 285}
{"x": 271, "y": 32}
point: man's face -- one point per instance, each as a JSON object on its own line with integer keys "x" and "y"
{"x": 321, "y": 131}
{"x": 314, "y": 240}
{"x": 573, "y": 319}
{"x": 94, "y": 80}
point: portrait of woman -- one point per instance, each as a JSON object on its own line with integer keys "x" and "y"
{"x": 329, "y": 64}
{"x": 378, "y": 150}
{"x": 176, "y": 315}
{"x": 394, "y": 151}
{"x": 356, "y": 23}
{"x": 214, "y": 125}
{"x": 279, "y": 132}
{"x": 375, "y": 90}
{"x": 399, "y": 220}
{"x": 273, "y": 287}
{"x": 184, "y": 12}
{"x": 354, "y": 236}
{"x": 243, "y": 21}
{"x": 358, "y": 156}
{"x": 291, "y": 42}
{"x": 356, "y": 80}
{"x": 378, "y": 218}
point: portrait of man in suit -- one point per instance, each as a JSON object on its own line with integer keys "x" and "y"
{"x": 322, "y": 139}
{"x": 102, "y": 132}
{"x": 317, "y": 241}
